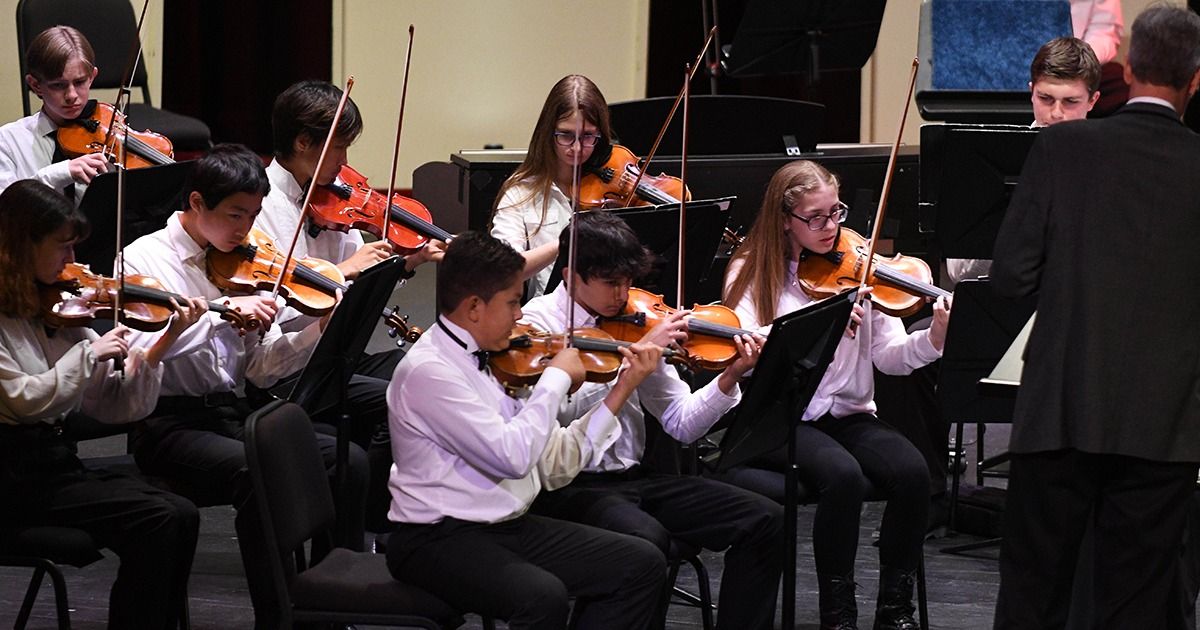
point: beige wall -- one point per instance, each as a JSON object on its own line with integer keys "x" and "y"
{"x": 885, "y": 77}
{"x": 480, "y": 70}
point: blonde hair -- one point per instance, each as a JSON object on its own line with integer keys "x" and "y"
{"x": 52, "y": 49}
{"x": 764, "y": 254}
{"x": 573, "y": 93}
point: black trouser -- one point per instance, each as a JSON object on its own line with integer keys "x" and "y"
{"x": 523, "y": 570}
{"x": 1137, "y": 508}
{"x": 152, "y": 531}
{"x": 846, "y": 460}
{"x": 201, "y": 447}
{"x": 701, "y": 512}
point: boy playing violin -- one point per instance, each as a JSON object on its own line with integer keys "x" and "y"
{"x": 61, "y": 67}
{"x": 194, "y": 434}
{"x": 616, "y": 492}
{"x": 470, "y": 460}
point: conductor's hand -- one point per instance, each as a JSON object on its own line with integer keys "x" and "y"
{"x": 941, "y": 319}
{"x": 86, "y": 167}
{"x": 568, "y": 361}
{"x": 112, "y": 344}
{"x": 367, "y": 255}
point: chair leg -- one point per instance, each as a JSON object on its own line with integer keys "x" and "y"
{"x": 922, "y": 595}
{"x": 706, "y": 603}
{"x": 60, "y": 596}
{"x": 35, "y": 584}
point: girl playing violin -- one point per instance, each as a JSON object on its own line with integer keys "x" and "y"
{"x": 843, "y": 450}
{"x": 61, "y": 68}
{"x": 535, "y": 203}
{"x": 45, "y": 375}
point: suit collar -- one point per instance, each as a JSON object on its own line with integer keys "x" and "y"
{"x": 1150, "y": 109}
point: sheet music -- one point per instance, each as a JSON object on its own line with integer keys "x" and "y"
{"x": 1008, "y": 370}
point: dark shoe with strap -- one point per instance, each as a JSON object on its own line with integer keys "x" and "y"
{"x": 839, "y": 611}
{"x": 894, "y": 609}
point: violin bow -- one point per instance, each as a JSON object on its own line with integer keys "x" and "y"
{"x": 121, "y": 158}
{"x": 572, "y": 252}
{"x": 387, "y": 201}
{"x": 333, "y": 124}
{"x": 887, "y": 186}
{"x": 670, "y": 115}
{"x": 687, "y": 92}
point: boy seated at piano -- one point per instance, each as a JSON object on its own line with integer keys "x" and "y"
{"x": 470, "y": 460}
{"x": 61, "y": 67}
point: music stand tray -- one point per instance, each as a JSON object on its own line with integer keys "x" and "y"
{"x": 151, "y": 196}
{"x": 657, "y": 227}
{"x": 797, "y": 353}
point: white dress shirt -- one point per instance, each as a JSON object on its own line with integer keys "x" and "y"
{"x": 27, "y": 152}
{"x": 848, "y": 386}
{"x": 518, "y": 222}
{"x": 278, "y": 218}
{"x": 1100, "y": 24}
{"x": 685, "y": 415}
{"x": 43, "y": 378}
{"x": 464, "y": 449}
{"x": 210, "y": 356}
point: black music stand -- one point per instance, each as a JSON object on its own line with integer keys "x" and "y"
{"x": 151, "y": 195}
{"x": 323, "y": 383}
{"x": 803, "y": 37}
{"x": 797, "y": 353}
{"x": 968, "y": 175}
{"x": 983, "y": 327}
{"x": 732, "y": 125}
{"x": 657, "y": 227}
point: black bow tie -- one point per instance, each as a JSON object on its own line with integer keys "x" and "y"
{"x": 482, "y": 356}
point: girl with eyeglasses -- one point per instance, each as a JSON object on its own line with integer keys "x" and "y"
{"x": 843, "y": 451}
{"x": 534, "y": 205}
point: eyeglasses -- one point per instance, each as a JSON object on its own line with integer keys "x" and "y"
{"x": 818, "y": 222}
{"x": 567, "y": 138}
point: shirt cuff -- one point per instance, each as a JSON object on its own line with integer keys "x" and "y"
{"x": 603, "y": 430}
{"x": 554, "y": 380}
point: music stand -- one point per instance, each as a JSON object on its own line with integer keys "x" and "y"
{"x": 323, "y": 383}
{"x": 794, "y": 359}
{"x": 968, "y": 175}
{"x": 657, "y": 227}
{"x": 151, "y": 195}
{"x": 803, "y": 37}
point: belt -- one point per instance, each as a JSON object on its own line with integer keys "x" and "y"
{"x": 208, "y": 401}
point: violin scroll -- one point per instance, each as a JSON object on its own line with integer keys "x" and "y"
{"x": 399, "y": 328}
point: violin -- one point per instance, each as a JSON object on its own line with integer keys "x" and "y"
{"x": 609, "y": 179}
{"x": 530, "y": 350}
{"x": 349, "y": 202}
{"x": 711, "y": 328}
{"x": 309, "y": 285}
{"x": 80, "y": 296}
{"x": 100, "y": 128}
{"x": 902, "y": 283}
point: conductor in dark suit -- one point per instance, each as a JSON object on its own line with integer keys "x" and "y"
{"x": 1102, "y": 228}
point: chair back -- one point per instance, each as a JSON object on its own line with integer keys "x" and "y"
{"x": 109, "y": 25}
{"x": 291, "y": 486}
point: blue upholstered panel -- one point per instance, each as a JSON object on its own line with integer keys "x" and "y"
{"x": 988, "y": 44}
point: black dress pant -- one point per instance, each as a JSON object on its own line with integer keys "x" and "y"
{"x": 201, "y": 448}
{"x": 523, "y": 570}
{"x": 152, "y": 531}
{"x": 844, "y": 460}
{"x": 1137, "y": 509}
{"x": 702, "y": 512}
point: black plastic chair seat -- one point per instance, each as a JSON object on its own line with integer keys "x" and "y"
{"x": 186, "y": 133}
{"x": 61, "y": 545}
{"x": 355, "y": 582}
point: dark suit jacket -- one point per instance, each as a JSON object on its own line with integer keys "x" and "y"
{"x": 1105, "y": 228}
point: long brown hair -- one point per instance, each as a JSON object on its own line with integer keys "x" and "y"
{"x": 767, "y": 248}
{"x": 30, "y": 212}
{"x": 572, "y": 93}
